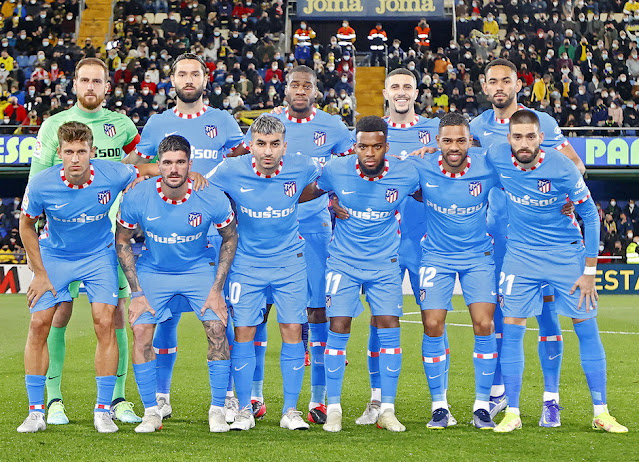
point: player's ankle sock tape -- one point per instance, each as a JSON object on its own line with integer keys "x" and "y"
{"x": 390, "y": 362}
{"x": 593, "y": 358}
{"x": 485, "y": 361}
{"x": 434, "y": 359}
{"x": 242, "y": 368}
{"x": 512, "y": 361}
{"x": 318, "y": 333}
{"x": 219, "y": 372}
{"x": 145, "y": 378}
{"x": 373, "y": 358}
{"x": 56, "y": 343}
{"x": 334, "y": 362}
{"x": 292, "y": 367}
{"x": 105, "y": 385}
{"x": 35, "y": 391}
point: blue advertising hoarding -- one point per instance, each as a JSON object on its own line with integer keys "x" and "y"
{"x": 594, "y": 151}
{"x": 370, "y": 10}
{"x": 617, "y": 279}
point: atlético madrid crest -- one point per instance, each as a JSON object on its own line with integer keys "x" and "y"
{"x": 391, "y": 195}
{"x": 543, "y": 186}
{"x": 424, "y": 136}
{"x": 474, "y": 188}
{"x": 290, "y": 188}
{"x": 109, "y": 130}
{"x": 104, "y": 197}
{"x": 319, "y": 138}
{"x": 210, "y": 130}
{"x": 195, "y": 219}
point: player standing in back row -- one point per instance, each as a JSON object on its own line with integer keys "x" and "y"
{"x": 314, "y": 133}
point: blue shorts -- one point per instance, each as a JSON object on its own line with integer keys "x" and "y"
{"x": 438, "y": 274}
{"x": 382, "y": 287}
{"x": 527, "y": 270}
{"x": 249, "y": 287}
{"x": 160, "y": 290}
{"x": 98, "y": 272}
{"x": 316, "y": 253}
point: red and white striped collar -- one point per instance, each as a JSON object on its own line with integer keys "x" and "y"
{"x": 158, "y": 186}
{"x": 408, "y": 125}
{"x": 453, "y": 175}
{"x": 189, "y": 116}
{"x": 300, "y": 121}
{"x": 506, "y": 121}
{"x": 77, "y": 186}
{"x": 374, "y": 178}
{"x": 261, "y": 175}
{"x": 542, "y": 155}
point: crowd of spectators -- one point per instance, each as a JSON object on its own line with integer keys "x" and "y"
{"x": 619, "y": 231}
{"x": 11, "y": 250}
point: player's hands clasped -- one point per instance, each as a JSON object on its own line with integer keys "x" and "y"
{"x": 215, "y": 302}
{"x": 38, "y": 287}
{"x": 139, "y": 306}
{"x": 587, "y": 292}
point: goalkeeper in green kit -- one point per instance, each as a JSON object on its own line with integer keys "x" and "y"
{"x": 115, "y": 136}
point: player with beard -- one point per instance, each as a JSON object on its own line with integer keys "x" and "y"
{"x": 546, "y": 248}
{"x": 313, "y": 133}
{"x": 115, "y": 136}
{"x": 491, "y": 127}
{"x": 212, "y": 134}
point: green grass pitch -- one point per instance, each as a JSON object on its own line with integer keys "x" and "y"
{"x": 186, "y": 437}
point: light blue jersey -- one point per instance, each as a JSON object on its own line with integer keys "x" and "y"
{"x": 266, "y": 207}
{"x": 370, "y": 237}
{"x": 489, "y": 130}
{"x": 455, "y": 206}
{"x": 175, "y": 231}
{"x": 77, "y": 215}
{"x": 319, "y": 136}
{"x": 535, "y": 198}
{"x": 211, "y": 132}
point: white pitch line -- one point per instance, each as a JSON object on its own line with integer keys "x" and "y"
{"x": 528, "y": 328}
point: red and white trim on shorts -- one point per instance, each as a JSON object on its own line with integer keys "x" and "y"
{"x": 124, "y": 223}
{"x": 261, "y": 175}
{"x": 551, "y": 338}
{"x": 334, "y": 352}
{"x": 440, "y": 162}
{"x": 102, "y": 407}
{"x": 372, "y": 354}
{"x": 260, "y": 344}
{"x": 485, "y": 355}
{"x": 77, "y": 186}
{"x": 189, "y": 116}
{"x": 165, "y": 351}
{"x": 226, "y": 222}
{"x": 408, "y": 125}
{"x": 542, "y": 156}
{"x": 158, "y": 187}
{"x": 390, "y": 351}
{"x": 317, "y": 344}
{"x": 375, "y": 178}
{"x": 36, "y": 407}
{"x": 300, "y": 121}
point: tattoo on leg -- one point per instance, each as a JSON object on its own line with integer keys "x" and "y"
{"x": 148, "y": 352}
{"x": 218, "y": 343}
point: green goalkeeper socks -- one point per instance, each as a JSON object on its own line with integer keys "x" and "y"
{"x": 123, "y": 364}
{"x": 57, "y": 350}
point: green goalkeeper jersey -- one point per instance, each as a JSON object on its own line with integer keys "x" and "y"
{"x": 114, "y": 136}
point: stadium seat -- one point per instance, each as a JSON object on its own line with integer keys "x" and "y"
{"x": 159, "y": 17}
{"x": 150, "y": 17}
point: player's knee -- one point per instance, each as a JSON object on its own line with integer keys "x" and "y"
{"x": 433, "y": 327}
{"x": 340, "y": 325}
{"x": 317, "y": 315}
{"x": 39, "y": 329}
{"x": 483, "y": 326}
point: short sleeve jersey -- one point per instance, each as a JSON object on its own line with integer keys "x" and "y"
{"x": 535, "y": 197}
{"x": 266, "y": 207}
{"x": 175, "y": 231}
{"x": 114, "y": 136}
{"x": 77, "y": 215}
{"x": 319, "y": 136}
{"x": 212, "y": 134}
{"x": 370, "y": 237}
{"x": 455, "y": 205}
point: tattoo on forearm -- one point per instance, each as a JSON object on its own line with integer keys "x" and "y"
{"x": 227, "y": 253}
{"x": 126, "y": 258}
{"x": 218, "y": 343}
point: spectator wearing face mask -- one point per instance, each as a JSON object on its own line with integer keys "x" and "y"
{"x": 302, "y": 41}
{"x": 632, "y": 251}
{"x": 346, "y": 36}
{"x": 613, "y": 209}
{"x": 343, "y": 84}
{"x": 632, "y": 212}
